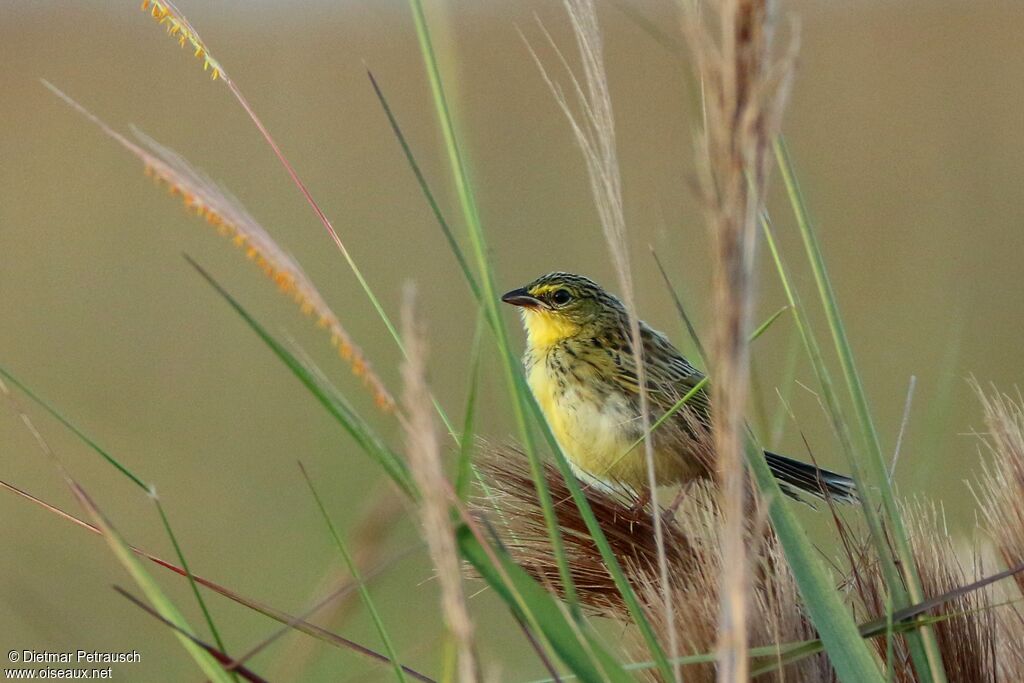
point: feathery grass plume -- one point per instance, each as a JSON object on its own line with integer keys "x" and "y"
{"x": 594, "y": 130}
{"x": 1000, "y": 494}
{"x": 967, "y": 635}
{"x": 166, "y": 13}
{"x": 423, "y": 447}
{"x": 510, "y": 504}
{"x": 967, "y": 641}
{"x": 775, "y": 609}
{"x": 207, "y": 200}
{"x": 692, "y": 552}
{"x": 1009, "y": 653}
{"x": 169, "y": 16}
{"x": 1001, "y": 490}
{"x": 745, "y": 84}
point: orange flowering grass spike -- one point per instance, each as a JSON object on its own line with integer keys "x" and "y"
{"x": 207, "y": 200}
{"x": 170, "y": 17}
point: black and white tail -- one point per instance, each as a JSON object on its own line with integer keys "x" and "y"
{"x": 797, "y": 477}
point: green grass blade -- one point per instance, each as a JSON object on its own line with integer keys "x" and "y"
{"x": 763, "y": 327}
{"x": 239, "y": 670}
{"x": 117, "y": 464}
{"x": 163, "y": 605}
{"x": 923, "y": 646}
{"x": 135, "y": 479}
{"x": 522, "y": 402}
{"x": 180, "y": 554}
{"x": 464, "y": 466}
{"x": 353, "y": 570}
{"x": 677, "y": 300}
{"x": 778, "y": 422}
{"x": 341, "y": 411}
{"x": 696, "y": 389}
{"x": 292, "y": 622}
{"x": 421, "y": 180}
{"x": 556, "y": 627}
{"x": 847, "y": 652}
{"x": 489, "y": 293}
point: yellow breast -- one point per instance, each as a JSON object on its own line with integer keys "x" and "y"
{"x": 592, "y": 429}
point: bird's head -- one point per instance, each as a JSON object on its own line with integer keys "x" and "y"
{"x": 559, "y": 306}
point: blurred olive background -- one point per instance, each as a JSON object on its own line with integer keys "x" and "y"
{"x": 905, "y": 124}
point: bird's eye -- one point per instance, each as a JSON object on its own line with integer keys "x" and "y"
{"x": 561, "y": 297}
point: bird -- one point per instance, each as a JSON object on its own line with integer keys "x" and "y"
{"x": 581, "y": 369}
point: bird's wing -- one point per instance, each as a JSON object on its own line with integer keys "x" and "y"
{"x": 669, "y": 376}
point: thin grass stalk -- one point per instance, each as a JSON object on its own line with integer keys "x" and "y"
{"x": 353, "y": 569}
{"x": 464, "y": 466}
{"x": 421, "y": 180}
{"x": 923, "y": 645}
{"x": 216, "y": 653}
{"x": 691, "y": 329}
{"x": 697, "y": 388}
{"x": 424, "y": 452}
{"x": 193, "y": 586}
{"x": 745, "y": 87}
{"x": 369, "y": 538}
{"x": 778, "y": 421}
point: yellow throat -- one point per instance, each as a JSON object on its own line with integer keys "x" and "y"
{"x": 544, "y": 330}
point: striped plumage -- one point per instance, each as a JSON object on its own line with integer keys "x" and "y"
{"x": 581, "y": 369}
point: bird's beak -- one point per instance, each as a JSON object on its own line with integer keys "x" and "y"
{"x": 521, "y": 297}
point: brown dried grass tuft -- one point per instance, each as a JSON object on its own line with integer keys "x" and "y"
{"x": 968, "y": 633}
{"x": 692, "y": 553}
{"x": 980, "y": 639}
{"x": 1000, "y": 495}
{"x": 1001, "y": 491}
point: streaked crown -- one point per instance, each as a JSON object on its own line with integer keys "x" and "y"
{"x": 559, "y": 305}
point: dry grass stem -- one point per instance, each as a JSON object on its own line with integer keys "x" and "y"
{"x": 369, "y": 539}
{"x": 424, "y": 453}
{"x": 207, "y": 200}
{"x": 744, "y": 86}
{"x": 594, "y": 129}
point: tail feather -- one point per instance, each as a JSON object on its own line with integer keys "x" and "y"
{"x": 797, "y": 477}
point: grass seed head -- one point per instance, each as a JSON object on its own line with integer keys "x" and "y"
{"x": 171, "y": 18}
